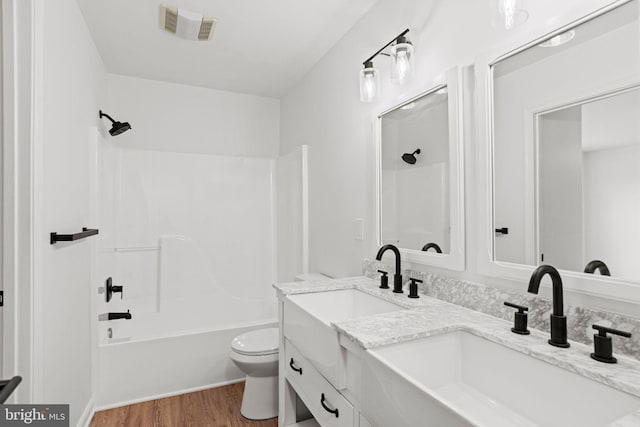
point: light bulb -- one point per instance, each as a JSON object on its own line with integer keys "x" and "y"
{"x": 508, "y": 14}
{"x": 369, "y": 83}
{"x": 401, "y": 62}
{"x": 403, "y": 66}
{"x": 369, "y": 87}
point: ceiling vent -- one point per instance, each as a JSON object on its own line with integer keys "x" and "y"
{"x": 185, "y": 24}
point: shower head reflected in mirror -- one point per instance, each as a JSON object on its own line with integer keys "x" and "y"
{"x": 411, "y": 158}
{"x": 116, "y": 127}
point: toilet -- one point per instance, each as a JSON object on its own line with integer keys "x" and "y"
{"x": 256, "y": 354}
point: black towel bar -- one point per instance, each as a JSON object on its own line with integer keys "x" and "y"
{"x": 7, "y": 387}
{"x": 86, "y": 232}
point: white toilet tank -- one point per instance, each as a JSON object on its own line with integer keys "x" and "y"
{"x": 303, "y": 277}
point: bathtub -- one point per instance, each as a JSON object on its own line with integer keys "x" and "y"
{"x": 132, "y": 369}
{"x": 183, "y": 321}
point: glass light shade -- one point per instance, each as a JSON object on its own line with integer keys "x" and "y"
{"x": 369, "y": 84}
{"x": 508, "y": 14}
{"x": 401, "y": 62}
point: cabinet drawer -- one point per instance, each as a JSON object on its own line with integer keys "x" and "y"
{"x": 326, "y": 404}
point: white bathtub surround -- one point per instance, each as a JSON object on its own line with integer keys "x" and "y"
{"x": 166, "y": 223}
{"x": 428, "y": 317}
{"x": 490, "y": 300}
{"x": 147, "y": 369}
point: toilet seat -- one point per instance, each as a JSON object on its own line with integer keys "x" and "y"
{"x": 260, "y": 342}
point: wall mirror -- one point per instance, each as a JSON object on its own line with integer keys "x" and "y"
{"x": 419, "y": 176}
{"x": 564, "y": 145}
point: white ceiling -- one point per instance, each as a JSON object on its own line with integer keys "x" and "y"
{"x": 258, "y": 47}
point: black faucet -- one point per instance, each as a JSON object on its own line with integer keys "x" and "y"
{"x": 397, "y": 277}
{"x": 114, "y": 316}
{"x": 558, "y": 319}
{"x": 430, "y": 246}
{"x": 596, "y": 264}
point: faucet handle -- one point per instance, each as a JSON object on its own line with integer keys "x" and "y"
{"x": 521, "y": 308}
{"x": 519, "y": 319}
{"x": 413, "y": 287}
{"x": 603, "y": 344}
{"x": 384, "y": 280}
{"x": 112, "y": 289}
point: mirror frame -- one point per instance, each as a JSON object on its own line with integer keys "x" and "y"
{"x": 455, "y": 259}
{"x": 587, "y": 284}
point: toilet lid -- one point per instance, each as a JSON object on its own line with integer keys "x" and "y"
{"x": 259, "y": 342}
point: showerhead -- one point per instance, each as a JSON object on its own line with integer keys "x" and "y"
{"x": 116, "y": 127}
{"x": 411, "y": 158}
{"x": 119, "y": 127}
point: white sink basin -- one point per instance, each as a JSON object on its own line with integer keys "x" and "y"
{"x": 344, "y": 304}
{"x": 459, "y": 379}
{"x": 307, "y": 324}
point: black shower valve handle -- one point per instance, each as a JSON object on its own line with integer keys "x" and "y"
{"x": 112, "y": 289}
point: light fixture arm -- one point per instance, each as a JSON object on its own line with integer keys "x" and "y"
{"x": 402, "y": 34}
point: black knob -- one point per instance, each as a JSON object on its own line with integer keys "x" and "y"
{"x": 413, "y": 288}
{"x": 603, "y": 345}
{"x": 503, "y": 230}
{"x": 519, "y": 319}
{"x": 384, "y": 280}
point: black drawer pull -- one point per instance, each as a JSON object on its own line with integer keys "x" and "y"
{"x": 298, "y": 370}
{"x": 326, "y": 408}
{"x": 503, "y": 230}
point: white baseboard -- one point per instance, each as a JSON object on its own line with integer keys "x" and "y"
{"x": 170, "y": 394}
{"x": 87, "y": 414}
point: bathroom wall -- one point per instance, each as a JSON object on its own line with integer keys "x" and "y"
{"x": 611, "y": 134}
{"x": 73, "y": 90}
{"x": 603, "y": 170}
{"x": 189, "y": 119}
{"x": 1, "y": 182}
{"x": 324, "y": 111}
{"x": 560, "y": 197}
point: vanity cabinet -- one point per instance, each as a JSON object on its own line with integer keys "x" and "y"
{"x": 319, "y": 377}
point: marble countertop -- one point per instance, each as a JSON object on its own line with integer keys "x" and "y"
{"x": 428, "y": 316}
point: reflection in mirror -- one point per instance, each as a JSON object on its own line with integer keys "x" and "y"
{"x": 415, "y": 174}
{"x": 566, "y": 149}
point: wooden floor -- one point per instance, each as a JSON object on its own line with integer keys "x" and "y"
{"x": 215, "y": 407}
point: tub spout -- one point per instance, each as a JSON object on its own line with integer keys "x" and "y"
{"x": 114, "y": 316}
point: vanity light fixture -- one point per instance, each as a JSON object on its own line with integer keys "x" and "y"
{"x": 401, "y": 60}
{"x": 508, "y": 14}
{"x": 559, "y": 40}
{"x": 369, "y": 82}
{"x": 401, "y": 67}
